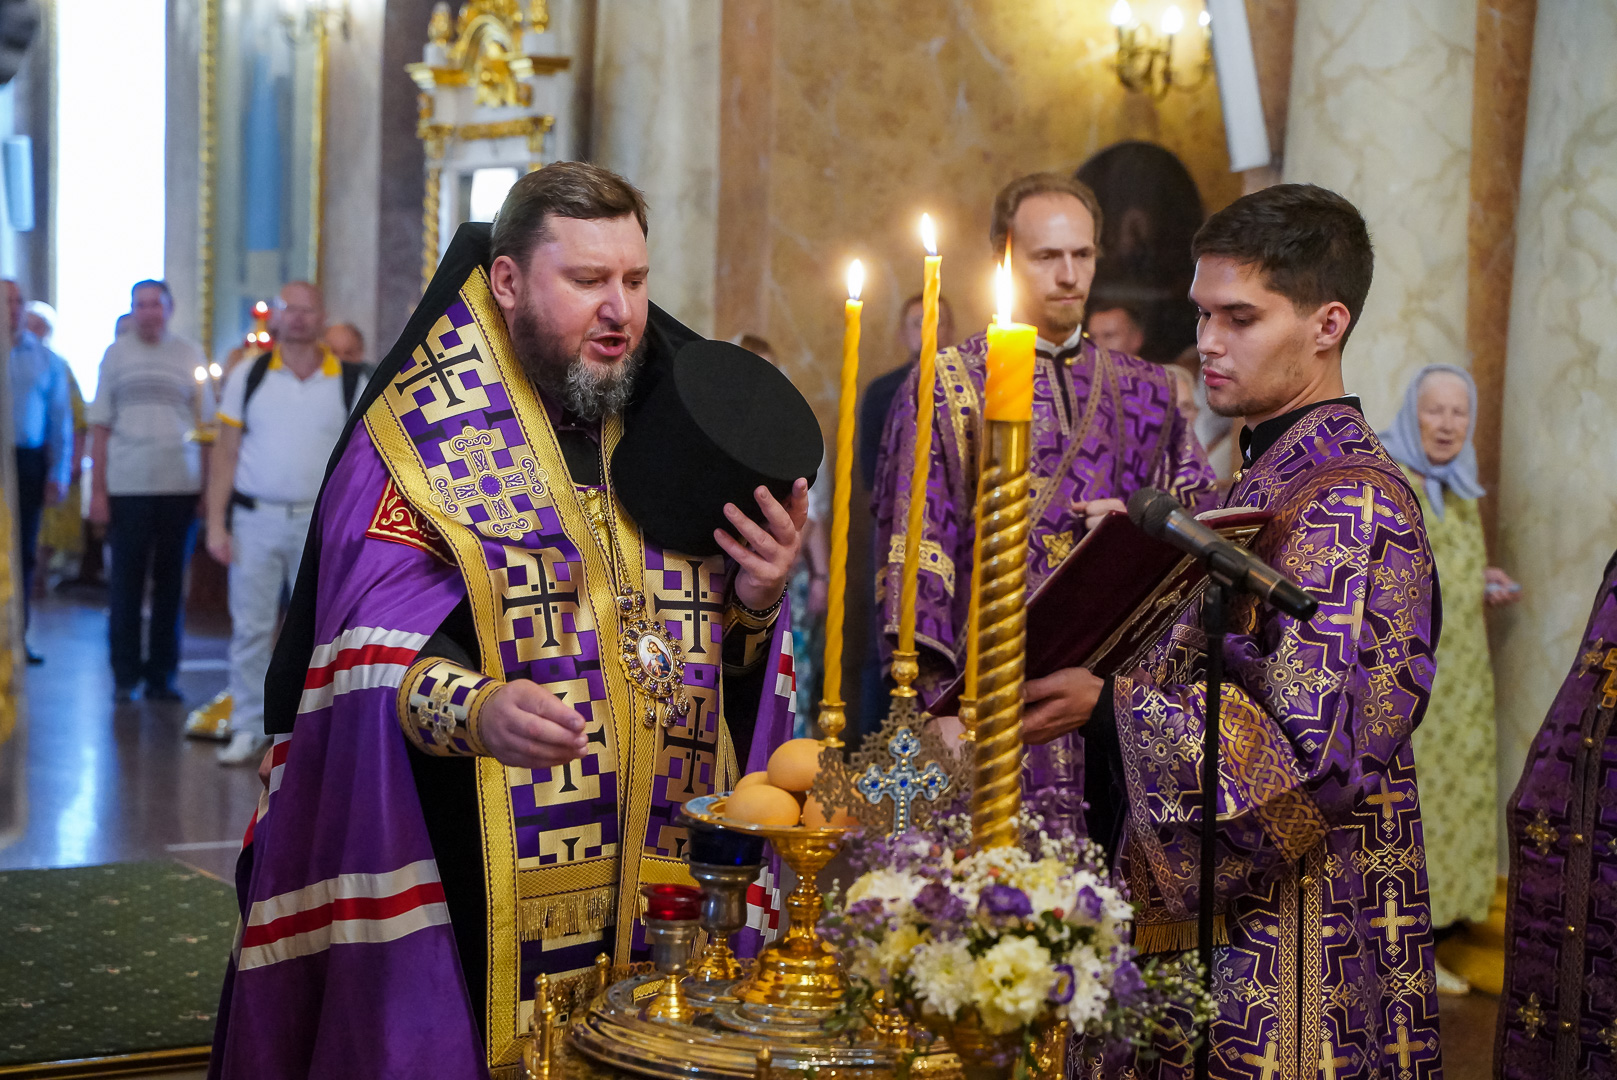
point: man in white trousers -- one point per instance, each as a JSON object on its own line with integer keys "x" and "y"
{"x": 279, "y": 417}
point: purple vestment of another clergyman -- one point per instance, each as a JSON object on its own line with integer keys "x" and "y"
{"x": 1558, "y": 1015}
{"x": 1325, "y": 967}
{"x": 1104, "y": 426}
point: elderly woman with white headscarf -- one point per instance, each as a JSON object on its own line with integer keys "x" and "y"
{"x": 1455, "y": 743}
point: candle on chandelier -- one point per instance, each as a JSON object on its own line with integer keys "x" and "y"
{"x": 922, "y": 453}
{"x": 1008, "y": 394}
{"x": 842, "y": 492}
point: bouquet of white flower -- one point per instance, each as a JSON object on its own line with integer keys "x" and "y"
{"x": 1008, "y": 942}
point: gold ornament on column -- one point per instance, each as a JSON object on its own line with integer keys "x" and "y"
{"x": 207, "y": 166}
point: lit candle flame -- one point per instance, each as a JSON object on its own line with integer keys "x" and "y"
{"x": 929, "y": 235}
{"x": 1004, "y": 293}
{"x": 1205, "y": 19}
{"x": 856, "y": 279}
{"x": 1173, "y": 20}
{"x": 215, "y": 370}
{"x": 1122, "y": 14}
{"x": 201, "y": 373}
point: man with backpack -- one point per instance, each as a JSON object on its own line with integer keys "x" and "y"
{"x": 279, "y": 416}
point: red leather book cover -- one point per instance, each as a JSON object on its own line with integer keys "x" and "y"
{"x": 1114, "y": 597}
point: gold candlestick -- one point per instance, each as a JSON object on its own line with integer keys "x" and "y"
{"x": 997, "y": 795}
{"x": 906, "y": 658}
{"x": 833, "y": 710}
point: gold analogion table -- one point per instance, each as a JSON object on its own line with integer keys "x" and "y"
{"x": 771, "y": 1017}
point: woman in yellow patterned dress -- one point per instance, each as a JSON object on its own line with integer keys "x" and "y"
{"x": 1455, "y": 744}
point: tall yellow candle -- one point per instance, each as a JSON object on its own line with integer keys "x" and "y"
{"x": 842, "y": 493}
{"x": 1008, "y": 394}
{"x": 923, "y": 436}
{"x": 974, "y": 603}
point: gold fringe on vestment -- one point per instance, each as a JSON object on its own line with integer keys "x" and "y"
{"x": 543, "y": 918}
{"x": 1176, "y": 936}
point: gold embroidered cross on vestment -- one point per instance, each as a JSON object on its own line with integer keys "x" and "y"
{"x": 487, "y": 485}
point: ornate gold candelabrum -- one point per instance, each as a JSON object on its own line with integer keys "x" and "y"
{"x": 996, "y": 796}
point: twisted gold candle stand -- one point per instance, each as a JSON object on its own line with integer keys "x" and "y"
{"x": 996, "y": 796}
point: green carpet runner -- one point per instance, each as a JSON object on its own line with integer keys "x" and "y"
{"x": 99, "y": 961}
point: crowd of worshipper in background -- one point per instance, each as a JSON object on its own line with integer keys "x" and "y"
{"x": 110, "y": 492}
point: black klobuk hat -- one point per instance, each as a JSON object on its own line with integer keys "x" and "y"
{"x": 719, "y": 422}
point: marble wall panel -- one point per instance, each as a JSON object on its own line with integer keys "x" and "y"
{"x": 1380, "y": 111}
{"x": 656, "y": 121}
{"x": 884, "y": 110}
{"x": 1558, "y": 484}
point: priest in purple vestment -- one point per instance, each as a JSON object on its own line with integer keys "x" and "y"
{"x": 1324, "y": 958}
{"x": 504, "y": 689}
{"x": 1558, "y": 1014}
{"x": 1104, "y": 426}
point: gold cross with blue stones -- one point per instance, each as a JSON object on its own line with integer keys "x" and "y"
{"x": 903, "y": 783}
{"x": 487, "y": 486}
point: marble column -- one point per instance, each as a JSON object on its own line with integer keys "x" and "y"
{"x": 1498, "y": 128}
{"x": 349, "y": 245}
{"x": 1381, "y": 112}
{"x": 1558, "y": 484}
{"x": 656, "y": 121}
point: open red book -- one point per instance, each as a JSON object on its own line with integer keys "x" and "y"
{"x": 1113, "y": 597}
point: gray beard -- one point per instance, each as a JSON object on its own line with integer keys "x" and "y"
{"x": 564, "y": 377}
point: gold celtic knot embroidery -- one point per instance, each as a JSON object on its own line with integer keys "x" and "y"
{"x": 487, "y": 485}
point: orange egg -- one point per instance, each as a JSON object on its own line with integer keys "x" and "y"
{"x": 814, "y": 816}
{"x": 762, "y": 804}
{"x": 794, "y": 764}
{"x": 759, "y": 777}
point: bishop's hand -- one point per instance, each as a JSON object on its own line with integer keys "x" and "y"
{"x": 765, "y": 555}
{"x": 527, "y": 727}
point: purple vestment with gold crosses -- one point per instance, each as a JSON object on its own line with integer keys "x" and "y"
{"x": 1325, "y": 964}
{"x": 1558, "y": 1014}
{"x": 453, "y": 495}
{"x": 1104, "y": 426}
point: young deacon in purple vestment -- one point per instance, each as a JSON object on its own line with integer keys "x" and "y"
{"x": 1558, "y": 1015}
{"x": 1325, "y": 967}
{"x": 504, "y": 690}
{"x": 1104, "y": 426}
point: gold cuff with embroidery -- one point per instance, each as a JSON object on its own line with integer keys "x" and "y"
{"x": 756, "y": 630}
{"x": 439, "y": 704}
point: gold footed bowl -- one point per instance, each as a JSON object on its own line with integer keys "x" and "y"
{"x": 986, "y": 1055}
{"x": 779, "y": 1008}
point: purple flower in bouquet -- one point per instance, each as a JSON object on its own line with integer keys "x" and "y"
{"x": 1128, "y": 985}
{"x": 1088, "y": 906}
{"x": 936, "y": 904}
{"x": 1061, "y": 989}
{"x": 1002, "y": 902}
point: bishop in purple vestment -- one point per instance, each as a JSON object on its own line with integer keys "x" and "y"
{"x": 1324, "y": 964}
{"x": 503, "y": 691}
{"x": 1558, "y": 1015}
{"x": 1104, "y": 426}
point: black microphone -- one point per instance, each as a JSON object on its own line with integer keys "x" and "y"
{"x": 1159, "y": 515}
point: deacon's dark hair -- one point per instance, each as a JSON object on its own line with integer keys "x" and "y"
{"x": 1310, "y": 243}
{"x": 1098, "y": 304}
{"x": 151, "y": 283}
{"x": 1013, "y": 194}
{"x": 574, "y": 189}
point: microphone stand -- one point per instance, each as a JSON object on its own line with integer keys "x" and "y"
{"x": 1215, "y": 611}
